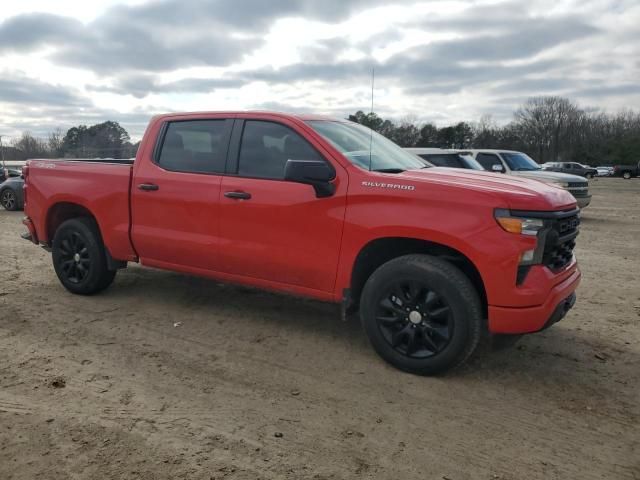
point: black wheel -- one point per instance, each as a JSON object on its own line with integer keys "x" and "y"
{"x": 79, "y": 257}
{"x": 589, "y": 175}
{"x": 421, "y": 314}
{"x": 9, "y": 200}
{"x": 626, "y": 175}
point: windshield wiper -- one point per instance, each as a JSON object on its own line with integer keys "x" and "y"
{"x": 388, "y": 170}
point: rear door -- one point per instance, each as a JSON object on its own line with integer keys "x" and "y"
{"x": 273, "y": 229}
{"x": 175, "y": 194}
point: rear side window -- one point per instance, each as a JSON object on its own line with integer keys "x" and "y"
{"x": 198, "y": 146}
{"x": 266, "y": 147}
{"x": 488, "y": 160}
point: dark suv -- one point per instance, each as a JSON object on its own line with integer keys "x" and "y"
{"x": 571, "y": 167}
{"x": 446, "y": 158}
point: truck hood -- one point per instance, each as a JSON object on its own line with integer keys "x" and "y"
{"x": 547, "y": 176}
{"x": 513, "y": 192}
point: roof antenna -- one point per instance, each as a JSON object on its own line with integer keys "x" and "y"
{"x": 373, "y": 76}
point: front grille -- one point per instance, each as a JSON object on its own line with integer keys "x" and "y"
{"x": 560, "y": 242}
{"x": 578, "y": 185}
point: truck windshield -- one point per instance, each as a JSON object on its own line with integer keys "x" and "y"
{"x": 520, "y": 161}
{"x": 367, "y": 149}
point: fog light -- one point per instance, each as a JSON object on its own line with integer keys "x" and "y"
{"x": 527, "y": 257}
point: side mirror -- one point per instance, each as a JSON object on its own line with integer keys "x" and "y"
{"x": 497, "y": 168}
{"x": 316, "y": 173}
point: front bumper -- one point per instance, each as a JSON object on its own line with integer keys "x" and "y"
{"x": 519, "y": 320}
{"x": 583, "y": 200}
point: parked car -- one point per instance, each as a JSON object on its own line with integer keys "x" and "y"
{"x": 520, "y": 164}
{"x": 627, "y": 171}
{"x": 430, "y": 257}
{"x": 573, "y": 168}
{"x": 446, "y": 158}
{"x": 605, "y": 171}
{"x": 9, "y": 172}
{"x": 11, "y": 194}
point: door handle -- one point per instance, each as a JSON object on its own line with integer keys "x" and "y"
{"x": 148, "y": 187}
{"x": 238, "y": 195}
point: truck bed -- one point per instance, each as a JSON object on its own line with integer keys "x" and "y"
{"x": 101, "y": 186}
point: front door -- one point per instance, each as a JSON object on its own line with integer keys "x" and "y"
{"x": 273, "y": 229}
{"x": 175, "y": 194}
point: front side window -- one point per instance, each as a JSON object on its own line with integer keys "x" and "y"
{"x": 266, "y": 147}
{"x": 365, "y": 148}
{"x": 198, "y": 146}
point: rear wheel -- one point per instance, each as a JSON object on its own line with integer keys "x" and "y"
{"x": 79, "y": 257}
{"x": 421, "y": 314}
{"x": 9, "y": 199}
{"x": 589, "y": 175}
{"x": 626, "y": 175}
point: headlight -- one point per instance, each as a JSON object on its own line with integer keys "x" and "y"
{"x": 521, "y": 225}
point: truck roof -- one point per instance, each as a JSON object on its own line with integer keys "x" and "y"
{"x": 297, "y": 116}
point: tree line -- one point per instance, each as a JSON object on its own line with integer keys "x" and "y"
{"x": 546, "y": 128}
{"x": 103, "y": 140}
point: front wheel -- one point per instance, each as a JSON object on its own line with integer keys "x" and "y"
{"x": 79, "y": 257}
{"x": 9, "y": 200}
{"x": 421, "y": 314}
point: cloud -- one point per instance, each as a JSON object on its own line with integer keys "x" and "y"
{"x": 21, "y": 90}
{"x": 141, "y": 85}
{"x": 443, "y": 60}
{"x": 163, "y": 35}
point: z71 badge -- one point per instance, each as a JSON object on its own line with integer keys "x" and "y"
{"x": 393, "y": 186}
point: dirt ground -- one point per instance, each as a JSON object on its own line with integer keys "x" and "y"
{"x": 252, "y": 385}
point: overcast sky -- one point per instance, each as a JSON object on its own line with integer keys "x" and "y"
{"x": 67, "y": 62}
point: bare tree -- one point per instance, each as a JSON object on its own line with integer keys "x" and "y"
{"x": 30, "y": 146}
{"x": 548, "y": 123}
{"x": 54, "y": 142}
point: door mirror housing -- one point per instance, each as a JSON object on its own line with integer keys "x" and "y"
{"x": 497, "y": 168}
{"x": 316, "y": 173}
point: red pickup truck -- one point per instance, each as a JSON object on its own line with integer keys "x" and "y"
{"x": 431, "y": 257}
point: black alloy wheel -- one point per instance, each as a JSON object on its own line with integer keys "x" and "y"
{"x": 421, "y": 314}
{"x": 414, "y": 320}
{"x": 80, "y": 257}
{"x": 74, "y": 260}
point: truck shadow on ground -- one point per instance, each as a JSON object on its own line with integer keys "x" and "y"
{"x": 558, "y": 354}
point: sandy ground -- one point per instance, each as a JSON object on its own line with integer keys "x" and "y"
{"x": 254, "y": 385}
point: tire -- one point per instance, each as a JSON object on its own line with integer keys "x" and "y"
{"x": 79, "y": 257}
{"x": 626, "y": 175}
{"x": 589, "y": 176}
{"x": 9, "y": 200}
{"x": 421, "y": 314}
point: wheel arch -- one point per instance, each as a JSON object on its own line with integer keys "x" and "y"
{"x": 383, "y": 249}
{"x": 62, "y": 211}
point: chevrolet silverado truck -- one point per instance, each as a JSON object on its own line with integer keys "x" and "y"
{"x": 430, "y": 257}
